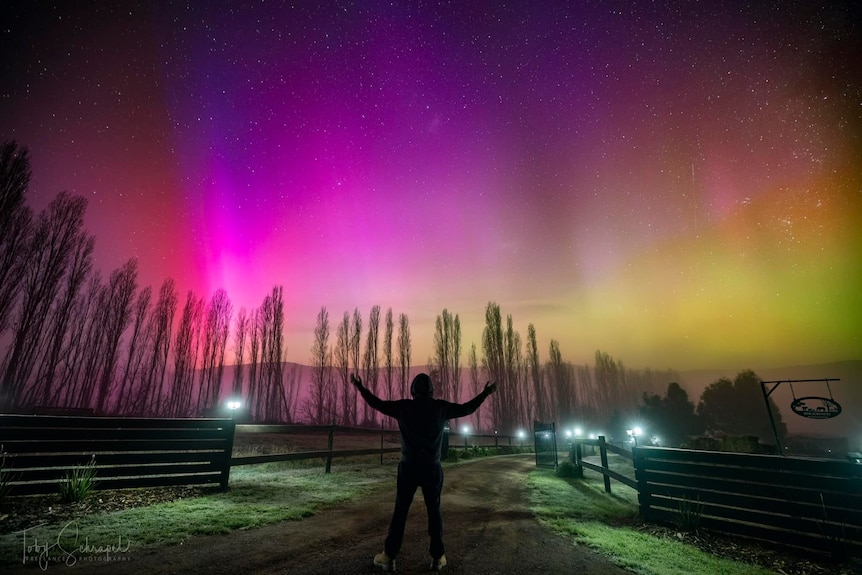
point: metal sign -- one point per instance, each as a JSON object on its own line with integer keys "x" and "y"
{"x": 816, "y": 407}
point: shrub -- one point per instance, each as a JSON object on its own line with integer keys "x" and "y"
{"x": 567, "y": 469}
{"x": 688, "y": 514}
{"x": 78, "y": 482}
{"x": 479, "y": 451}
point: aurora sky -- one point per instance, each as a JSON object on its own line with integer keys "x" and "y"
{"x": 678, "y": 184}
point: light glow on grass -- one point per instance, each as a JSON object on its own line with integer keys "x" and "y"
{"x": 606, "y": 523}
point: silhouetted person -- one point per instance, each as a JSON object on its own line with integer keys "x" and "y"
{"x": 421, "y": 422}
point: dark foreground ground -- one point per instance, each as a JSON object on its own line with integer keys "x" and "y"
{"x": 488, "y": 530}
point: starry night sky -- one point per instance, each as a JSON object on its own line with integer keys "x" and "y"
{"x": 675, "y": 183}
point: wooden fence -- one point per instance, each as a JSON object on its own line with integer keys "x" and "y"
{"x": 814, "y": 504}
{"x": 39, "y": 451}
{"x": 328, "y": 431}
{"x": 604, "y": 447}
{"x": 129, "y": 452}
{"x": 811, "y": 504}
{"x": 453, "y": 440}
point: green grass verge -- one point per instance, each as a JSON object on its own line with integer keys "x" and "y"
{"x": 258, "y": 495}
{"x": 580, "y": 509}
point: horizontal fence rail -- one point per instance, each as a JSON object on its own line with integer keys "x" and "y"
{"x": 454, "y": 440}
{"x": 603, "y": 447}
{"x": 40, "y": 451}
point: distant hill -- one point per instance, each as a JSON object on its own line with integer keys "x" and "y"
{"x": 847, "y": 392}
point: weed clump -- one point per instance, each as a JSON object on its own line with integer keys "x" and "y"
{"x": 78, "y": 482}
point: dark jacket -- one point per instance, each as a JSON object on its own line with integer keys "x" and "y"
{"x": 421, "y": 422}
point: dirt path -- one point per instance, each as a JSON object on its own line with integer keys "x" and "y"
{"x": 488, "y": 529}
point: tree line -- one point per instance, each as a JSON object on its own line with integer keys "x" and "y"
{"x": 71, "y": 338}
{"x": 725, "y": 408}
{"x": 76, "y": 340}
{"x": 530, "y": 389}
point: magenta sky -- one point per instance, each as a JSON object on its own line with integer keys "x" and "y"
{"x": 675, "y": 183}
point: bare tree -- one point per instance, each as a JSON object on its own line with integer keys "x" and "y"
{"x": 277, "y": 356}
{"x": 134, "y": 350}
{"x": 514, "y": 395}
{"x": 61, "y": 322}
{"x": 119, "y": 295}
{"x": 355, "y": 344}
{"x": 404, "y": 351}
{"x": 493, "y": 362}
{"x": 48, "y": 252}
{"x": 254, "y": 394}
{"x": 319, "y": 406}
{"x": 473, "y": 367}
{"x": 241, "y": 328}
{"x": 535, "y": 369}
{"x": 14, "y": 178}
{"x": 186, "y": 342}
{"x": 586, "y": 408}
{"x": 440, "y": 362}
{"x": 447, "y": 354}
{"x": 276, "y": 405}
{"x": 15, "y": 225}
{"x": 455, "y": 358}
{"x": 215, "y": 335}
{"x": 371, "y": 362}
{"x": 607, "y": 384}
{"x": 342, "y": 365}
{"x": 81, "y": 351}
{"x": 561, "y": 378}
{"x": 149, "y": 398}
{"x": 291, "y": 386}
{"x": 387, "y": 353}
{"x": 93, "y": 345}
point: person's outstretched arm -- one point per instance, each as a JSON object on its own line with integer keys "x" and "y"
{"x": 385, "y": 407}
{"x": 463, "y": 409}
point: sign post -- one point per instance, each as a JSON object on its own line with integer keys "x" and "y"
{"x": 804, "y": 406}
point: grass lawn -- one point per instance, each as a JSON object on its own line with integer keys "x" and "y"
{"x": 258, "y": 495}
{"x": 580, "y": 509}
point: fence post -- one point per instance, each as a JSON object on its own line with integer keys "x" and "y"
{"x": 579, "y": 456}
{"x": 329, "y": 447}
{"x": 230, "y": 431}
{"x": 603, "y": 452}
{"x": 381, "y": 442}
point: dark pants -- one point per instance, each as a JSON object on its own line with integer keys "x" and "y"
{"x": 410, "y": 476}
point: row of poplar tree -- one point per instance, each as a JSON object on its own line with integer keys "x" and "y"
{"x": 72, "y": 338}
